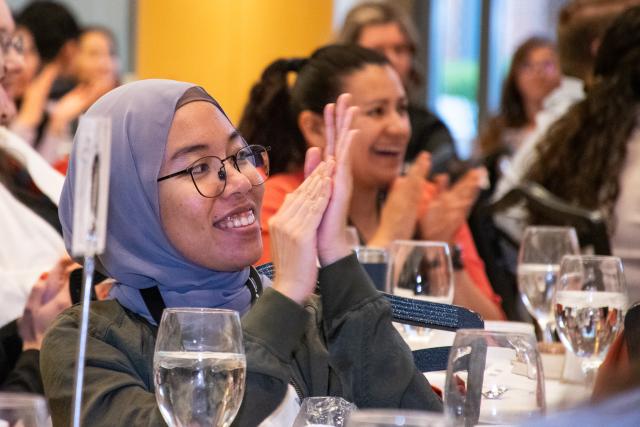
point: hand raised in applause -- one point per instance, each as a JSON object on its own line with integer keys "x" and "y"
{"x": 400, "y": 211}
{"x": 49, "y": 296}
{"x": 449, "y": 209}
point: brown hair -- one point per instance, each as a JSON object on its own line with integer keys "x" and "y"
{"x": 580, "y": 24}
{"x": 512, "y": 112}
{"x": 377, "y": 13}
{"x": 582, "y": 154}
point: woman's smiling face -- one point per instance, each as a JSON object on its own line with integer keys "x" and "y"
{"x": 221, "y": 233}
{"x": 382, "y": 122}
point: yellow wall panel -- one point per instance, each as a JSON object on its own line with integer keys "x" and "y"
{"x": 224, "y": 45}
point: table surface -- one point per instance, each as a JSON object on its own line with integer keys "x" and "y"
{"x": 560, "y": 394}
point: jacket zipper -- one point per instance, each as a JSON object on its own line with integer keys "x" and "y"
{"x": 297, "y": 388}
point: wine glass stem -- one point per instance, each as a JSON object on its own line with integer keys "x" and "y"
{"x": 590, "y": 368}
{"x": 547, "y": 331}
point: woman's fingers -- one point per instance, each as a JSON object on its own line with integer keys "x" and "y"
{"x": 329, "y": 130}
{"x": 312, "y": 159}
{"x": 342, "y": 105}
{"x": 421, "y": 166}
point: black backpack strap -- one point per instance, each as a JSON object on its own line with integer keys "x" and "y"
{"x": 154, "y": 302}
{"x": 254, "y": 283}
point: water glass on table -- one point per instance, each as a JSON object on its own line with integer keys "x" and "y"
{"x": 396, "y": 417}
{"x": 541, "y": 251}
{"x": 589, "y": 304}
{"x": 493, "y": 378}
{"x": 199, "y": 367}
{"x": 24, "y": 410}
{"x": 375, "y": 263}
{"x": 421, "y": 270}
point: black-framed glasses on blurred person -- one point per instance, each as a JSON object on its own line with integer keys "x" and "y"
{"x": 210, "y": 176}
{"x": 8, "y": 41}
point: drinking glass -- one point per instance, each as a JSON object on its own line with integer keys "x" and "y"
{"x": 589, "y": 304}
{"x": 323, "y": 411}
{"x": 392, "y": 418}
{"x": 199, "y": 367}
{"x": 23, "y": 410}
{"x": 541, "y": 251}
{"x": 421, "y": 270}
{"x": 374, "y": 261}
{"x": 493, "y": 378}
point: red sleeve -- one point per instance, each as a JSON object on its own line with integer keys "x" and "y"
{"x": 275, "y": 190}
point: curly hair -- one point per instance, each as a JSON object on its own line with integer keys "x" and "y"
{"x": 583, "y": 153}
{"x": 512, "y": 112}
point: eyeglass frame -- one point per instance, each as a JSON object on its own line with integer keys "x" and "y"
{"x": 222, "y": 169}
{"x": 9, "y": 41}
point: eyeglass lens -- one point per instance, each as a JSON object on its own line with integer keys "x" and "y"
{"x": 209, "y": 175}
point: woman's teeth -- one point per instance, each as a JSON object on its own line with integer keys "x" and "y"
{"x": 239, "y": 220}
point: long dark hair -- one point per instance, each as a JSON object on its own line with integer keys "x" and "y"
{"x": 270, "y": 116}
{"x": 512, "y": 113}
{"x": 583, "y": 153}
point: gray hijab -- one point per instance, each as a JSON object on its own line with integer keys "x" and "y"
{"x": 138, "y": 254}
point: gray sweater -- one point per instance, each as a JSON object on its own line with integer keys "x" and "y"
{"x": 342, "y": 343}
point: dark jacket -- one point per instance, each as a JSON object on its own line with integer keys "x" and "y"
{"x": 19, "y": 370}
{"x": 345, "y": 346}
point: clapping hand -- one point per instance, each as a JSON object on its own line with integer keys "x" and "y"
{"x": 310, "y": 224}
{"x": 49, "y": 296}
{"x": 449, "y": 209}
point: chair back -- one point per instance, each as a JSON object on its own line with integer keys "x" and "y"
{"x": 590, "y": 225}
{"x": 432, "y": 315}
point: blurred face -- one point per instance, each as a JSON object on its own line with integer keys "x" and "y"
{"x": 208, "y": 231}
{"x": 382, "y": 123}
{"x": 95, "y": 59}
{"x": 17, "y": 82}
{"x": 389, "y": 40}
{"x": 538, "y": 75}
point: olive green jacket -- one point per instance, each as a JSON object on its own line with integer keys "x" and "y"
{"x": 345, "y": 346}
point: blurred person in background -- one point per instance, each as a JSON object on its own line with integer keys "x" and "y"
{"x": 384, "y": 205}
{"x": 591, "y": 156}
{"x": 386, "y": 28}
{"x": 533, "y": 74}
{"x": 29, "y": 190}
{"x": 581, "y": 25}
{"x": 96, "y": 71}
{"x": 50, "y": 34}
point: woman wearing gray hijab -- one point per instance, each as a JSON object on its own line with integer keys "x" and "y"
{"x": 178, "y": 237}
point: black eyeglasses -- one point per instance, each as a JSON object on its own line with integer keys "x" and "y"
{"x": 210, "y": 177}
{"x": 7, "y": 41}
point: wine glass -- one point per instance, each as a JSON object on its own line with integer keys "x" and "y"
{"x": 199, "y": 367}
{"x": 24, "y": 410}
{"x": 493, "y": 378}
{"x": 396, "y": 417}
{"x": 589, "y": 304}
{"x": 421, "y": 270}
{"x": 541, "y": 251}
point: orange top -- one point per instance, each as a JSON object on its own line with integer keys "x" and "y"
{"x": 279, "y": 185}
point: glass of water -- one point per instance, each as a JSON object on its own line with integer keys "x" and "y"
{"x": 589, "y": 305}
{"x": 541, "y": 251}
{"x": 199, "y": 367}
{"x": 494, "y": 378}
{"x": 421, "y": 270}
{"x": 24, "y": 410}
